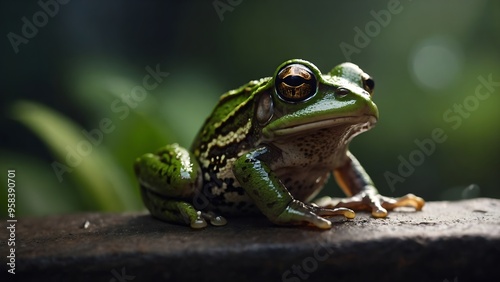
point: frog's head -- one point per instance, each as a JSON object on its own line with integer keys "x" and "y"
{"x": 304, "y": 100}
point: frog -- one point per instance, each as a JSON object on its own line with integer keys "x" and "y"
{"x": 269, "y": 147}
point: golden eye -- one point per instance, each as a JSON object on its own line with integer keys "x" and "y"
{"x": 295, "y": 83}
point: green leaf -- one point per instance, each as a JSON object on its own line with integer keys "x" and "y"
{"x": 102, "y": 184}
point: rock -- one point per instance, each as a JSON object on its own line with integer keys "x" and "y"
{"x": 447, "y": 241}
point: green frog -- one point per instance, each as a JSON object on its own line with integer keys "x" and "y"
{"x": 269, "y": 147}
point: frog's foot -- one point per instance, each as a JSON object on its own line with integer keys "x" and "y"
{"x": 200, "y": 221}
{"x": 374, "y": 202}
{"x": 179, "y": 211}
{"x": 185, "y": 213}
{"x": 215, "y": 220}
{"x": 299, "y": 213}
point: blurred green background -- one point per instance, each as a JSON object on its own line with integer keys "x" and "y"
{"x": 74, "y": 65}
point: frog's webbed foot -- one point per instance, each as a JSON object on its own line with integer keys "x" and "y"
{"x": 374, "y": 202}
{"x": 299, "y": 213}
{"x": 203, "y": 217}
{"x": 179, "y": 211}
{"x": 185, "y": 213}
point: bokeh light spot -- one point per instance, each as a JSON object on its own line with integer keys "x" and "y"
{"x": 436, "y": 63}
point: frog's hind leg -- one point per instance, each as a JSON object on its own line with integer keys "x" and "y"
{"x": 168, "y": 179}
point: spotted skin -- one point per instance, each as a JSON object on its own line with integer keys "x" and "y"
{"x": 269, "y": 147}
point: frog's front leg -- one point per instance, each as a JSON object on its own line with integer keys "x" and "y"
{"x": 271, "y": 196}
{"x": 168, "y": 179}
{"x": 356, "y": 184}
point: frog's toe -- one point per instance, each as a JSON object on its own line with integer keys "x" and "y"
{"x": 366, "y": 201}
{"x": 377, "y": 208}
{"x": 215, "y": 220}
{"x": 318, "y": 221}
{"x": 300, "y": 213}
{"x": 347, "y": 213}
{"x": 218, "y": 221}
{"x": 408, "y": 200}
{"x": 199, "y": 222}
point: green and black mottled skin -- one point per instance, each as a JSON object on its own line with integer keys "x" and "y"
{"x": 269, "y": 147}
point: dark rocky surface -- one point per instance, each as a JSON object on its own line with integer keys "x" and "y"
{"x": 447, "y": 241}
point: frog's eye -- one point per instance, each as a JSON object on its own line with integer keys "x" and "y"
{"x": 295, "y": 83}
{"x": 342, "y": 92}
{"x": 368, "y": 83}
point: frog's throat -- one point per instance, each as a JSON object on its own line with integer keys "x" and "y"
{"x": 363, "y": 123}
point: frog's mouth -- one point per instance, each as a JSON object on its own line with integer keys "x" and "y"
{"x": 360, "y": 124}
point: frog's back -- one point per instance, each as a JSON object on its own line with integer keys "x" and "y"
{"x": 230, "y": 113}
